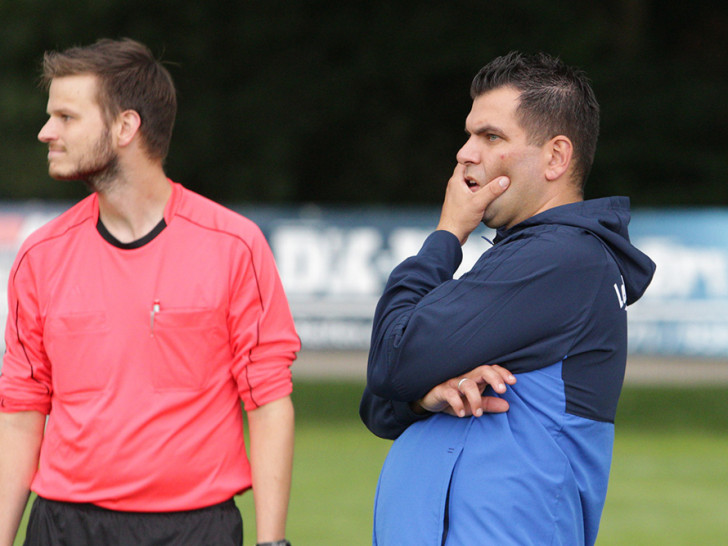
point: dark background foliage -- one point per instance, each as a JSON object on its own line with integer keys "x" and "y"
{"x": 364, "y": 101}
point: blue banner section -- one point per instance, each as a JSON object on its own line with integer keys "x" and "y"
{"x": 334, "y": 263}
{"x": 685, "y": 309}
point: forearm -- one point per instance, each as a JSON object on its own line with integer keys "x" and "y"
{"x": 408, "y": 285}
{"x": 271, "y": 454}
{"x": 20, "y": 438}
{"x": 512, "y": 309}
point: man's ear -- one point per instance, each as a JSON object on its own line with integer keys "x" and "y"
{"x": 129, "y": 122}
{"x": 559, "y": 153}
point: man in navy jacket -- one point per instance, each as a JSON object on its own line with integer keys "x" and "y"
{"x": 501, "y": 387}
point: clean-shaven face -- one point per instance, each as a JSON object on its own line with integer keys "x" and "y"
{"x": 498, "y": 145}
{"x": 78, "y": 138}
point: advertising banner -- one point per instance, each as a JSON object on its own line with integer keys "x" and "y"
{"x": 334, "y": 263}
{"x": 685, "y": 309}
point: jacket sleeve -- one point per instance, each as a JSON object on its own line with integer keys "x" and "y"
{"x": 387, "y": 418}
{"x": 521, "y": 306}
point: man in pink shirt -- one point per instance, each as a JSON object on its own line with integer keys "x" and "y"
{"x": 138, "y": 322}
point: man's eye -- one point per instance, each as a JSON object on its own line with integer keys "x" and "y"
{"x": 492, "y": 137}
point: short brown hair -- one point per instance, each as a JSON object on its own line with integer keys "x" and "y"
{"x": 130, "y": 78}
{"x": 555, "y": 99}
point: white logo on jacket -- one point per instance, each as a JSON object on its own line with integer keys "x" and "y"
{"x": 621, "y": 293}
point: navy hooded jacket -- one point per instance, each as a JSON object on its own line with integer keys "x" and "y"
{"x": 547, "y": 302}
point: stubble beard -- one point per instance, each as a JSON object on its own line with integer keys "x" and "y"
{"x": 98, "y": 170}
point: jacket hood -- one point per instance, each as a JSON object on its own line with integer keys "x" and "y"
{"x": 606, "y": 219}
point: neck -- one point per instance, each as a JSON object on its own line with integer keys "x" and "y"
{"x": 558, "y": 200}
{"x": 561, "y": 191}
{"x": 561, "y": 196}
{"x": 132, "y": 206}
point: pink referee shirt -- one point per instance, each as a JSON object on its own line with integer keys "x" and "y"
{"x": 141, "y": 356}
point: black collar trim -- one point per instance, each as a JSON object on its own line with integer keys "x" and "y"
{"x": 149, "y": 237}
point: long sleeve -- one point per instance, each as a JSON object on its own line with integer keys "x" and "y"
{"x": 263, "y": 336}
{"x": 387, "y": 418}
{"x": 25, "y": 383}
{"x": 521, "y": 306}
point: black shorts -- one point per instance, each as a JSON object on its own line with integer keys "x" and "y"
{"x": 54, "y": 523}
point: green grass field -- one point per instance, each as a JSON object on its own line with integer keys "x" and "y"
{"x": 669, "y": 482}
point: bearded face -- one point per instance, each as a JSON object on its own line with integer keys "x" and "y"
{"x": 80, "y": 145}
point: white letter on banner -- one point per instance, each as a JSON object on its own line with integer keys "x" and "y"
{"x": 405, "y": 242}
{"x": 354, "y": 271}
{"x": 303, "y": 257}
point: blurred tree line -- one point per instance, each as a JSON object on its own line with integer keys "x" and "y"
{"x": 364, "y": 101}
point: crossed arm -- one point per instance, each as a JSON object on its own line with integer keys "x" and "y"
{"x": 462, "y": 212}
{"x": 461, "y": 394}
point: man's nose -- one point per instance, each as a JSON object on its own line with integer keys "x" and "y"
{"x": 47, "y": 133}
{"x": 468, "y": 153}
